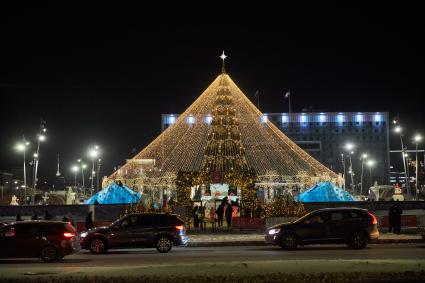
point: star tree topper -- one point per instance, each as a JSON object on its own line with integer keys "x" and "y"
{"x": 223, "y": 57}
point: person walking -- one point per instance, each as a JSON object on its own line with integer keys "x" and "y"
{"x": 89, "y": 220}
{"x": 220, "y": 212}
{"x": 195, "y": 216}
{"x": 229, "y": 214}
{"x": 391, "y": 214}
{"x": 397, "y": 219}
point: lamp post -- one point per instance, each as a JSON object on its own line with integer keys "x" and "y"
{"x": 75, "y": 170}
{"x": 363, "y": 159}
{"x": 40, "y": 138}
{"x": 93, "y": 153}
{"x": 349, "y": 147}
{"x": 22, "y": 147}
{"x": 83, "y": 166}
{"x": 343, "y": 166}
{"x": 370, "y": 163}
{"x": 398, "y": 130}
{"x": 417, "y": 139}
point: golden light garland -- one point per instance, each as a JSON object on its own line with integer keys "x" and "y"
{"x": 191, "y": 143}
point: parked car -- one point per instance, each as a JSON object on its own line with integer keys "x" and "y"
{"x": 148, "y": 230}
{"x": 352, "y": 226}
{"x": 47, "y": 240}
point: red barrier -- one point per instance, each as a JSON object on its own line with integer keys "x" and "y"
{"x": 247, "y": 223}
{"x": 406, "y": 221}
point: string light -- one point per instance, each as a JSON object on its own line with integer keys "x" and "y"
{"x": 247, "y": 142}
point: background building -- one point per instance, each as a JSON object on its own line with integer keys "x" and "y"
{"x": 324, "y": 136}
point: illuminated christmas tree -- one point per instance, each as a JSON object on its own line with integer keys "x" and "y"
{"x": 221, "y": 130}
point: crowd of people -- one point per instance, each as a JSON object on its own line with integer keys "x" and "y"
{"x": 225, "y": 210}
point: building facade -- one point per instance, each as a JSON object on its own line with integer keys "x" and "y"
{"x": 325, "y": 136}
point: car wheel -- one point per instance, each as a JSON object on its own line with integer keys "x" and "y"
{"x": 49, "y": 254}
{"x": 288, "y": 242}
{"x": 163, "y": 244}
{"x": 358, "y": 241}
{"x": 97, "y": 246}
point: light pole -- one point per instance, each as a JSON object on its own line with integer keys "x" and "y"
{"x": 93, "y": 153}
{"x": 370, "y": 163}
{"x": 75, "y": 170}
{"x": 83, "y": 166}
{"x": 417, "y": 139}
{"x": 398, "y": 130}
{"x": 22, "y": 147}
{"x": 349, "y": 147}
{"x": 363, "y": 158}
{"x": 343, "y": 166}
{"x": 40, "y": 138}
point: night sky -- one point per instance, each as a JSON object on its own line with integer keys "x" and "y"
{"x": 104, "y": 74}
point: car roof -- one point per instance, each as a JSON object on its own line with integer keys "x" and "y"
{"x": 27, "y": 222}
{"x": 153, "y": 213}
{"x": 340, "y": 209}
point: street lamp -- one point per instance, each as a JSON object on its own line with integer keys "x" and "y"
{"x": 349, "y": 147}
{"x": 370, "y": 163}
{"x": 22, "y": 147}
{"x": 417, "y": 138}
{"x": 399, "y": 130}
{"x": 82, "y": 166}
{"x": 75, "y": 170}
{"x": 93, "y": 153}
{"x": 363, "y": 158}
{"x": 41, "y": 137}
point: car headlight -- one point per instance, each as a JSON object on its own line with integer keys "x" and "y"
{"x": 84, "y": 234}
{"x": 273, "y": 231}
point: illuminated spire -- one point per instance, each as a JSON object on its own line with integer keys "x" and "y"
{"x": 223, "y": 57}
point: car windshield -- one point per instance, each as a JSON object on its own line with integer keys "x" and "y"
{"x": 302, "y": 218}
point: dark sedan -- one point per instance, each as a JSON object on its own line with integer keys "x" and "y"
{"x": 352, "y": 226}
{"x": 149, "y": 230}
{"x": 48, "y": 240}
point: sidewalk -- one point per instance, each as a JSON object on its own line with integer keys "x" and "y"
{"x": 257, "y": 239}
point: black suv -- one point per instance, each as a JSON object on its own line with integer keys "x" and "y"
{"x": 48, "y": 240}
{"x": 148, "y": 230}
{"x": 352, "y": 226}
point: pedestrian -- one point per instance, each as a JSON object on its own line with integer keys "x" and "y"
{"x": 18, "y": 217}
{"x": 195, "y": 216}
{"x": 397, "y": 219}
{"x": 47, "y": 215}
{"x": 89, "y": 220}
{"x": 201, "y": 217}
{"x": 220, "y": 212}
{"x": 229, "y": 214}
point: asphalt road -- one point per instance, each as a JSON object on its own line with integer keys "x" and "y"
{"x": 187, "y": 255}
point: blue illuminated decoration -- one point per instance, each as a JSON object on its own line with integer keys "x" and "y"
{"x": 171, "y": 119}
{"x": 324, "y": 192}
{"x": 208, "y": 119}
{"x": 115, "y": 194}
{"x": 191, "y": 120}
{"x": 264, "y": 119}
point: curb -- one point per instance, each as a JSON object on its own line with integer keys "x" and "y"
{"x": 263, "y": 243}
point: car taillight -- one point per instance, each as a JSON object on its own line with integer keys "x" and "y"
{"x": 179, "y": 227}
{"x": 68, "y": 235}
{"x": 374, "y": 220}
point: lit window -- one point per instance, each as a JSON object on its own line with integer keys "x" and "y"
{"x": 264, "y": 119}
{"x": 284, "y": 119}
{"x": 208, "y": 119}
{"x": 171, "y": 119}
{"x": 190, "y": 120}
